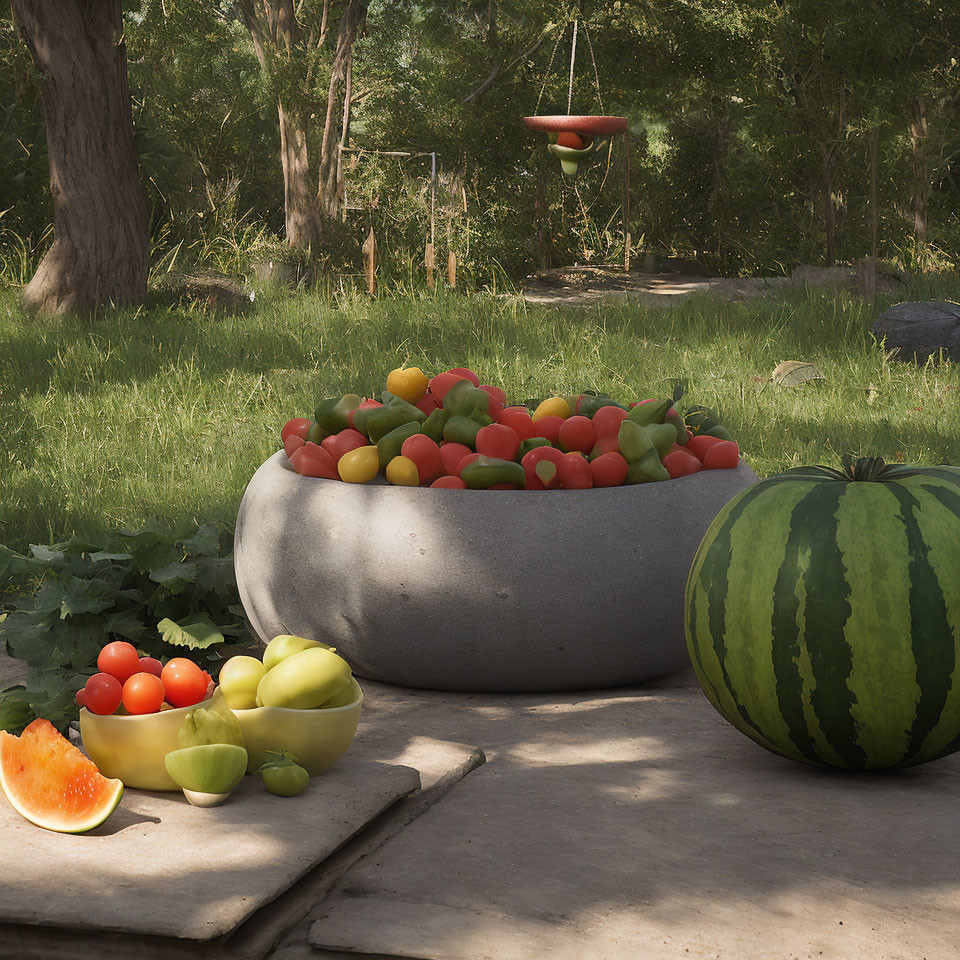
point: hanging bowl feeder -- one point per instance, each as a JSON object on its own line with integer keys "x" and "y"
{"x": 574, "y": 138}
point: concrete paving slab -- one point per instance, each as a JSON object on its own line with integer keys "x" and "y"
{"x": 160, "y": 866}
{"x": 637, "y": 824}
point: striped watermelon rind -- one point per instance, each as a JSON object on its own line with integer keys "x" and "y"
{"x": 823, "y": 615}
{"x": 51, "y": 783}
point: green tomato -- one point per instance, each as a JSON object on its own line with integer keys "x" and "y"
{"x": 239, "y": 679}
{"x": 288, "y": 780}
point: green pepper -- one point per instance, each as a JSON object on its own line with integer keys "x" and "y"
{"x": 388, "y": 446}
{"x": 282, "y": 775}
{"x": 434, "y": 424}
{"x": 676, "y": 420}
{"x": 397, "y": 402}
{"x": 486, "y": 471}
{"x": 652, "y": 412}
{"x": 647, "y": 469}
{"x": 384, "y": 419}
{"x": 531, "y": 444}
{"x": 461, "y": 430}
{"x": 663, "y": 435}
{"x": 590, "y": 405}
{"x": 463, "y": 399}
{"x": 331, "y": 413}
{"x": 316, "y": 433}
{"x": 634, "y": 441}
{"x": 718, "y": 430}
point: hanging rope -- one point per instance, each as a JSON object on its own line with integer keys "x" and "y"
{"x": 596, "y": 76}
{"x": 573, "y": 57}
{"x": 546, "y": 76}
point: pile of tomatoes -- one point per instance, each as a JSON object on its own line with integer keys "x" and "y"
{"x": 142, "y": 684}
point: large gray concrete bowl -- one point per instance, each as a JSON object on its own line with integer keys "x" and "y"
{"x": 476, "y": 590}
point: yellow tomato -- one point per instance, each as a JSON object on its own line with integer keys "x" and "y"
{"x": 360, "y": 465}
{"x": 402, "y": 472}
{"x": 408, "y": 383}
{"x": 552, "y": 407}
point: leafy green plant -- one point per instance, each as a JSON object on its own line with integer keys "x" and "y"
{"x": 160, "y": 591}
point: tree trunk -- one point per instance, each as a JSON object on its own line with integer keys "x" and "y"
{"x": 829, "y": 165}
{"x": 341, "y": 75}
{"x": 874, "y": 171}
{"x": 303, "y": 219}
{"x": 921, "y": 167}
{"x": 100, "y": 250}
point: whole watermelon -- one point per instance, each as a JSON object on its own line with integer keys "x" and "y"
{"x": 823, "y": 614}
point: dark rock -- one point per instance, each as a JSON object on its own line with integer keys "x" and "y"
{"x": 919, "y": 330}
{"x": 496, "y": 591}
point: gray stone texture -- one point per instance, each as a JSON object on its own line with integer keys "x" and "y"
{"x": 919, "y": 330}
{"x": 478, "y": 590}
{"x": 161, "y": 866}
{"x": 639, "y": 824}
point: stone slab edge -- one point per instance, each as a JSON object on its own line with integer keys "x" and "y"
{"x": 260, "y": 933}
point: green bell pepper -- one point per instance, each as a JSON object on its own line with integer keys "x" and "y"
{"x": 652, "y": 412}
{"x": 647, "y": 469}
{"x": 331, "y": 413}
{"x": 461, "y": 430}
{"x": 388, "y": 446}
{"x": 382, "y": 420}
{"x": 434, "y": 424}
{"x": 531, "y": 444}
{"x": 634, "y": 440}
{"x": 486, "y": 471}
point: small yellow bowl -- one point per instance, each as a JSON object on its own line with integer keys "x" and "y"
{"x": 131, "y": 747}
{"x": 317, "y": 738}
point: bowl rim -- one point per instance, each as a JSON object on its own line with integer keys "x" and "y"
{"x": 116, "y": 717}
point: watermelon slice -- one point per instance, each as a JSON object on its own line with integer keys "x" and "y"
{"x": 52, "y": 783}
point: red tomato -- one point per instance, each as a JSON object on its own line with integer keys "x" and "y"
{"x": 451, "y": 454}
{"x": 574, "y": 472}
{"x": 81, "y": 697}
{"x": 607, "y": 420}
{"x": 724, "y": 455}
{"x": 570, "y": 139}
{"x": 184, "y": 682}
{"x": 297, "y": 427}
{"x": 150, "y": 665}
{"x": 495, "y": 392}
{"x": 338, "y": 444}
{"x": 120, "y": 659}
{"x": 450, "y": 483}
{"x": 143, "y": 693}
{"x": 494, "y": 408}
{"x": 293, "y": 442}
{"x": 577, "y": 433}
{"x": 699, "y": 445}
{"x": 442, "y": 382}
{"x": 427, "y": 404}
{"x": 311, "y": 460}
{"x": 519, "y": 420}
{"x": 609, "y": 470}
{"x": 425, "y": 453}
{"x": 102, "y": 693}
{"x": 548, "y": 428}
{"x": 498, "y": 440}
{"x": 546, "y": 478}
{"x": 680, "y": 463}
{"x": 605, "y": 445}
{"x": 465, "y": 374}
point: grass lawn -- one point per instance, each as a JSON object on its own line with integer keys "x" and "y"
{"x": 168, "y": 412}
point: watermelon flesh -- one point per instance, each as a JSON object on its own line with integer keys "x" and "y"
{"x": 51, "y": 783}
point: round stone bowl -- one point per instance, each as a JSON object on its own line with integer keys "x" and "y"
{"x": 478, "y": 590}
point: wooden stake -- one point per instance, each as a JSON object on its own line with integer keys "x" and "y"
{"x": 369, "y": 253}
{"x": 626, "y": 201}
{"x": 428, "y": 262}
{"x": 452, "y": 268}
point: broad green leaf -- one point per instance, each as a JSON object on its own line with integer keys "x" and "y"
{"x": 175, "y": 577}
{"x": 102, "y": 555}
{"x": 15, "y": 566}
{"x": 51, "y": 556}
{"x": 197, "y": 635}
{"x": 124, "y": 623}
{"x": 204, "y": 543}
{"x": 15, "y": 712}
{"x": 216, "y": 574}
{"x": 73, "y": 597}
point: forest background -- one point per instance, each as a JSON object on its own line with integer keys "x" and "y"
{"x": 762, "y": 134}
